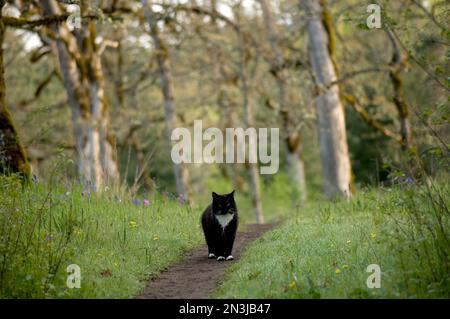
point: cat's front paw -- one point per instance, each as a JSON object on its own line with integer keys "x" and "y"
{"x": 220, "y": 258}
{"x": 211, "y": 256}
{"x": 230, "y": 258}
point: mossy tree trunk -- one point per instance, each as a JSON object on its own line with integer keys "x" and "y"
{"x": 397, "y": 64}
{"x": 13, "y": 157}
{"x": 81, "y": 70}
{"x": 334, "y": 153}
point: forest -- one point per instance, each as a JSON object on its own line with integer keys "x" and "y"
{"x": 328, "y": 118}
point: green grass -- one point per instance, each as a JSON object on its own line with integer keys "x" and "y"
{"x": 322, "y": 249}
{"x": 324, "y": 252}
{"x": 117, "y": 244}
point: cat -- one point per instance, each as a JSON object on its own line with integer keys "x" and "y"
{"x": 220, "y": 222}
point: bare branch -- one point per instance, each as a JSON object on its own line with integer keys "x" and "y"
{"x": 360, "y": 110}
{"x": 351, "y": 75}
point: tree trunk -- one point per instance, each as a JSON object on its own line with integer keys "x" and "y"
{"x": 13, "y": 158}
{"x": 78, "y": 101}
{"x": 83, "y": 81}
{"x": 397, "y": 65}
{"x": 223, "y": 100}
{"x": 165, "y": 73}
{"x": 296, "y": 165}
{"x": 330, "y": 112}
{"x": 99, "y": 110}
{"x": 249, "y": 122}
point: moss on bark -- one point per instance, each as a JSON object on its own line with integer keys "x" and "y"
{"x": 13, "y": 158}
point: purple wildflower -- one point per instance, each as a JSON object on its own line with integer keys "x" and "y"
{"x": 136, "y": 202}
{"x": 146, "y": 202}
{"x": 181, "y": 199}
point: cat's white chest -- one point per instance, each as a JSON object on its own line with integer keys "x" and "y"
{"x": 224, "y": 220}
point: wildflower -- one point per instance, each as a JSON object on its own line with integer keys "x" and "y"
{"x": 133, "y": 224}
{"x": 337, "y": 271}
{"x": 293, "y": 284}
{"x": 155, "y": 237}
{"x": 349, "y": 241}
{"x": 48, "y": 238}
{"x": 181, "y": 199}
{"x": 136, "y": 202}
{"x": 146, "y": 202}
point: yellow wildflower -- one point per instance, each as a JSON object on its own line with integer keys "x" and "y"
{"x": 133, "y": 224}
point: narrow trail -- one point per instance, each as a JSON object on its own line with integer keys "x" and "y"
{"x": 196, "y": 276}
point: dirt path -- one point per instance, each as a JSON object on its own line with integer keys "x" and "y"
{"x": 196, "y": 276}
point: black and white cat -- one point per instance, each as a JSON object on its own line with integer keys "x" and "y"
{"x": 219, "y": 222}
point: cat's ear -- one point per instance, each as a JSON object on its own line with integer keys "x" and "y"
{"x": 232, "y": 193}
{"x": 215, "y": 195}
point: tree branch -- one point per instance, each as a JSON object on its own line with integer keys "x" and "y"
{"x": 25, "y": 23}
{"x": 350, "y": 75}
{"x": 359, "y": 109}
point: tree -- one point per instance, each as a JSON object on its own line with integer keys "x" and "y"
{"x": 397, "y": 64}
{"x": 292, "y": 134}
{"x": 330, "y": 113}
{"x": 181, "y": 172}
{"x": 81, "y": 69}
{"x": 13, "y": 158}
{"x": 249, "y": 119}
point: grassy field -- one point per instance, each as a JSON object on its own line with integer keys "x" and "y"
{"x": 321, "y": 250}
{"x": 117, "y": 241}
{"x": 324, "y": 252}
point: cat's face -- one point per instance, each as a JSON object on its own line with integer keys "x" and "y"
{"x": 223, "y": 204}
